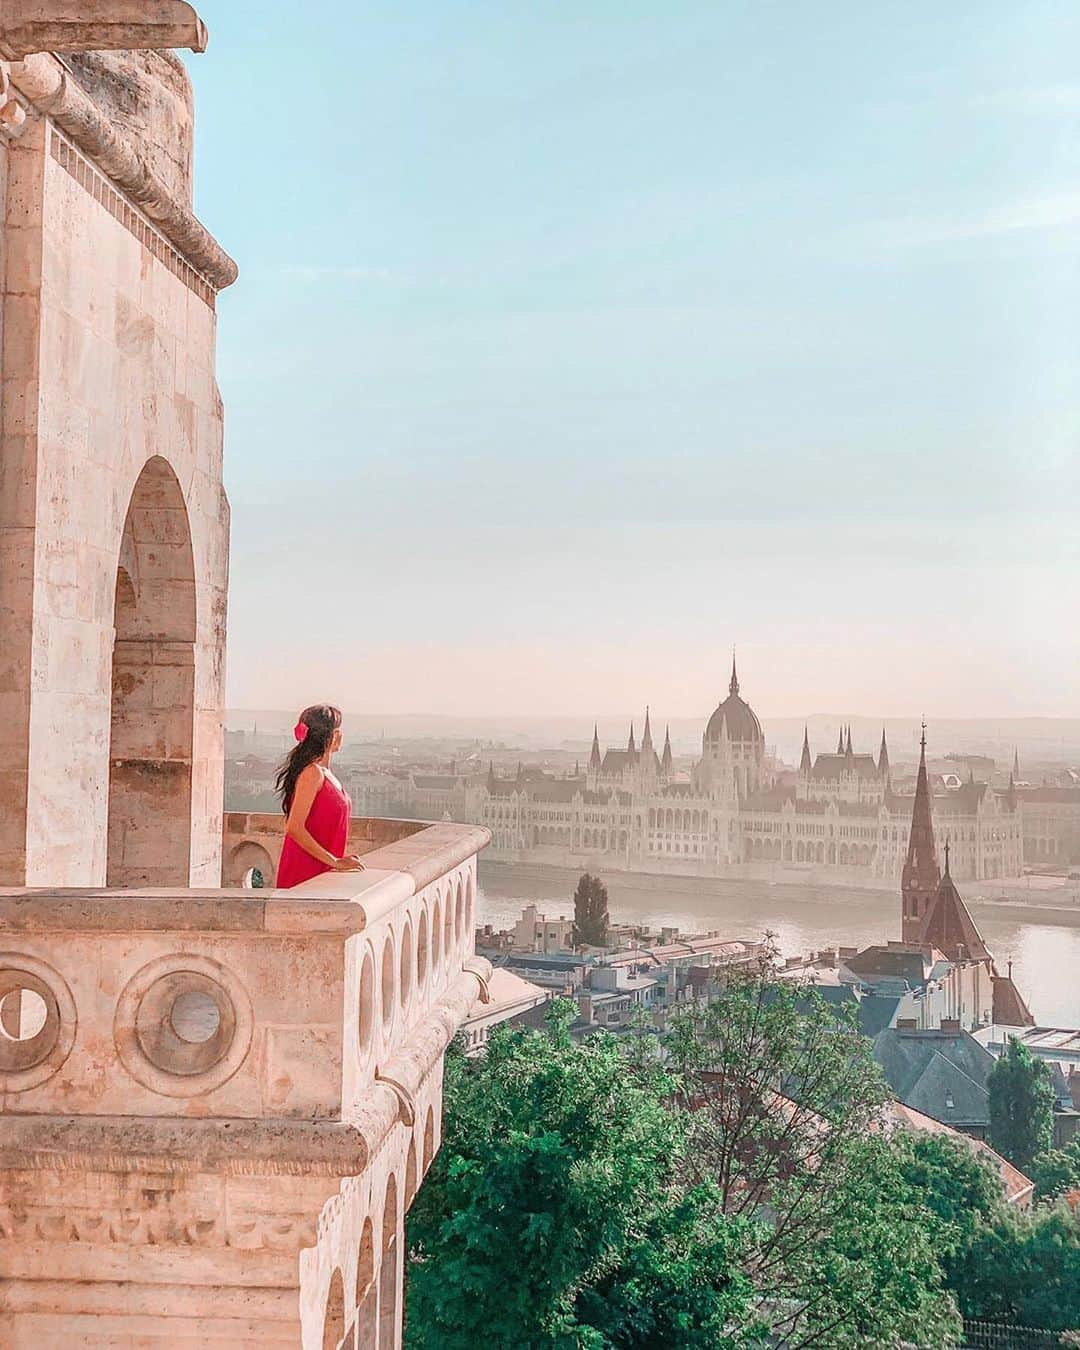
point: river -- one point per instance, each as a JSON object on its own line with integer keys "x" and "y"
{"x": 1041, "y": 940}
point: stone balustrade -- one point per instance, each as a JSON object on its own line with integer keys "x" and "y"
{"x": 217, "y": 1105}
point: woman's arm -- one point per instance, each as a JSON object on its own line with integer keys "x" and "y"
{"x": 307, "y": 786}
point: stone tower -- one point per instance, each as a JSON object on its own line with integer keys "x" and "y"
{"x": 216, "y": 1106}
{"x": 921, "y": 877}
{"x": 113, "y": 520}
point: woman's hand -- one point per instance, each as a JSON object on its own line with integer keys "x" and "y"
{"x": 350, "y": 863}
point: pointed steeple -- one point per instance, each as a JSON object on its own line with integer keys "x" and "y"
{"x": 646, "y": 739}
{"x": 848, "y": 750}
{"x": 883, "y": 757}
{"x": 1016, "y": 764}
{"x": 733, "y": 683}
{"x": 805, "y": 764}
{"x": 594, "y": 756}
{"x": 840, "y": 743}
{"x": 491, "y": 776}
{"x": 948, "y": 925}
{"x": 631, "y": 748}
{"x": 921, "y": 875}
{"x": 665, "y": 759}
{"x": 1010, "y": 796}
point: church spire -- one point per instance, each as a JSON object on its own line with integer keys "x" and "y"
{"x": 733, "y": 684}
{"x": 883, "y": 757}
{"x": 840, "y": 743}
{"x": 1016, "y": 764}
{"x": 848, "y": 750}
{"x": 631, "y": 748}
{"x": 921, "y": 875}
{"x": 646, "y": 739}
{"x": 594, "y": 756}
{"x": 665, "y": 760}
{"x": 805, "y": 764}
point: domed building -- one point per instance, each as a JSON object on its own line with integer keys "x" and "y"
{"x": 732, "y": 748}
{"x": 837, "y": 817}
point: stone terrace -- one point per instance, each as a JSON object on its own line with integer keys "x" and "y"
{"x": 219, "y": 1104}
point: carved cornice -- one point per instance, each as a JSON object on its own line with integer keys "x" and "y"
{"x": 28, "y": 26}
{"x": 47, "y": 86}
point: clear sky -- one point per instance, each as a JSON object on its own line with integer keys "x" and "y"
{"x": 575, "y": 342}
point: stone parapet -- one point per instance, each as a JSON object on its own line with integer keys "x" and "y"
{"x": 217, "y": 1105}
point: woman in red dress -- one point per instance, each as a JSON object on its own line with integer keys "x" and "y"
{"x": 316, "y": 806}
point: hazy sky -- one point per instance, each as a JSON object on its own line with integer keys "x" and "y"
{"x": 574, "y": 342}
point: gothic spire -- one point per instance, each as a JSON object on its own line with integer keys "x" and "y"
{"x": 883, "y": 757}
{"x": 491, "y": 776}
{"x": 594, "y": 757}
{"x": 805, "y": 764}
{"x": 840, "y": 743}
{"x": 733, "y": 684}
{"x": 1016, "y": 764}
{"x": 665, "y": 761}
{"x": 848, "y": 750}
{"x": 646, "y": 739}
{"x": 921, "y": 875}
{"x": 630, "y": 746}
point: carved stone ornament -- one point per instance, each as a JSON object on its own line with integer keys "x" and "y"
{"x": 28, "y": 26}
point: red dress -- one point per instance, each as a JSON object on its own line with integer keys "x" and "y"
{"x": 328, "y": 823}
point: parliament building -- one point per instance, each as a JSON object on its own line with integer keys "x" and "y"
{"x": 735, "y": 809}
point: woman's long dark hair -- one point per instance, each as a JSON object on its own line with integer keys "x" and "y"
{"x": 321, "y": 721}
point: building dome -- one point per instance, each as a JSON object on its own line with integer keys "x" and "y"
{"x": 738, "y": 716}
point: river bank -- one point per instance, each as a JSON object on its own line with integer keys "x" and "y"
{"x": 1040, "y": 934}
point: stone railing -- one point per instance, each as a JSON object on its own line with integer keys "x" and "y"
{"x": 251, "y": 842}
{"x": 218, "y": 1105}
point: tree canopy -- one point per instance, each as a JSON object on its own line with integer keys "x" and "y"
{"x": 549, "y": 1218}
{"x": 590, "y": 912}
{"x": 1021, "y": 1105}
{"x": 598, "y": 1196}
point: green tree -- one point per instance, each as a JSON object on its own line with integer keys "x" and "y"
{"x": 550, "y": 1218}
{"x": 1023, "y": 1268}
{"x": 951, "y": 1179}
{"x": 785, "y": 1105}
{"x": 590, "y": 912}
{"x": 1021, "y": 1105}
{"x": 1057, "y": 1170}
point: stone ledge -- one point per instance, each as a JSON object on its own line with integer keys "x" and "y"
{"x": 335, "y": 903}
{"x": 170, "y": 1144}
{"x": 47, "y": 85}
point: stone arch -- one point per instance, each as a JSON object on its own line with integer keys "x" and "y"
{"x": 152, "y": 722}
{"x": 410, "y": 1174}
{"x": 366, "y": 1295}
{"x": 247, "y": 858}
{"x": 389, "y": 1273}
{"x": 334, "y": 1316}
{"x": 429, "y": 1140}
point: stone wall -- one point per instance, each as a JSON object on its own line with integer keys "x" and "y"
{"x": 108, "y": 374}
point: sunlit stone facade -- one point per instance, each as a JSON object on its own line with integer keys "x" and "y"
{"x": 216, "y": 1105}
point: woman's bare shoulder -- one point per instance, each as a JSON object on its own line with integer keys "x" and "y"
{"x": 311, "y": 773}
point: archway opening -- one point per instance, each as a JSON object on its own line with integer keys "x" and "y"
{"x": 153, "y": 689}
{"x": 390, "y": 1273}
